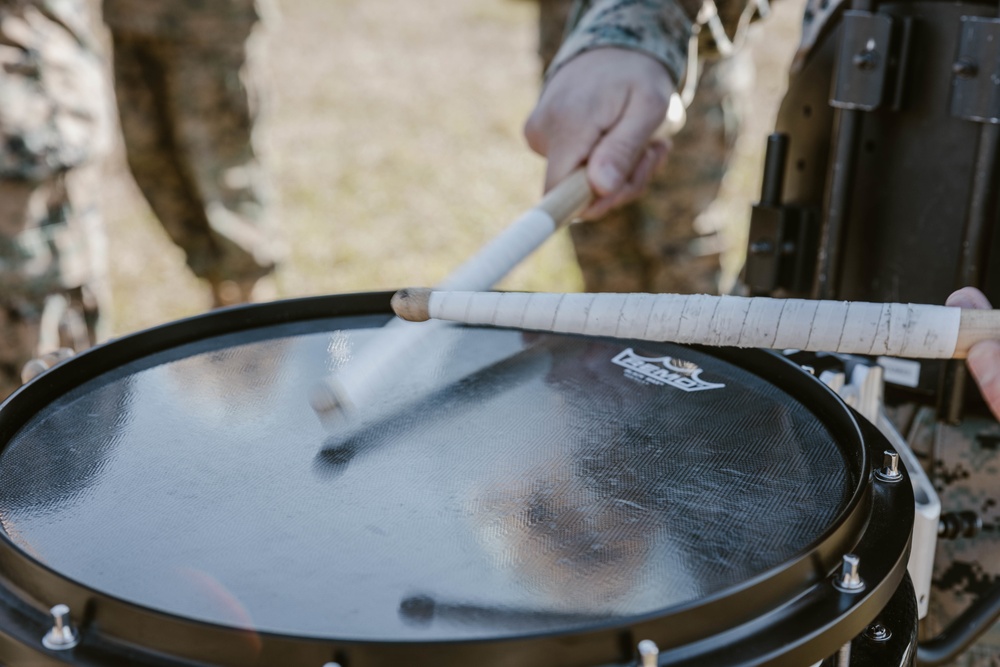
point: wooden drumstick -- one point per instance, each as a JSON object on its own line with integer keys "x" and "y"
{"x": 890, "y": 329}
{"x": 357, "y": 384}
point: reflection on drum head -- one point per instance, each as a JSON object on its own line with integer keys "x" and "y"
{"x": 509, "y": 484}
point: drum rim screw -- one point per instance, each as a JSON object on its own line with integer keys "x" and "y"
{"x": 849, "y": 580}
{"x": 648, "y": 653}
{"x": 877, "y": 632}
{"x": 62, "y": 635}
{"x": 965, "y": 68}
{"x": 866, "y": 59}
{"x": 889, "y": 472}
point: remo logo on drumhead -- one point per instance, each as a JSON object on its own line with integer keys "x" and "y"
{"x": 676, "y": 373}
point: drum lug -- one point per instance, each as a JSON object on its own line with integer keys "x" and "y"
{"x": 889, "y": 472}
{"x": 849, "y": 580}
{"x": 649, "y": 653}
{"x": 62, "y": 635}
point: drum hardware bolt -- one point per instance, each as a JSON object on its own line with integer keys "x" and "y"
{"x": 866, "y": 60}
{"x": 844, "y": 655}
{"x": 889, "y": 472}
{"x": 878, "y": 633}
{"x": 965, "y": 68}
{"x": 648, "y": 653}
{"x": 808, "y": 369}
{"x": 62, "y": 635}
{"x": 956, "y": 525}
{"x": 849, "y": 581}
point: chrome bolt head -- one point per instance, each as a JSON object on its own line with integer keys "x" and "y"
{"x": 849, "y": 580}
{"x": 648, "y": 653}
{"x": 889, "y": 472}
{"x": 965, "y": 68}
{"x": 866, "y": 60}
{"x": 62, "y": 635}
{"x": 877, "y": 632}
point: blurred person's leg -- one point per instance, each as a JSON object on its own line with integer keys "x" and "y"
{"x": 187, "y": 112}
{"x": 656, "y": 244}
{"x": 53, "y": 125}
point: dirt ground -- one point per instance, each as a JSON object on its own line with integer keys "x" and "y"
{"x": 393, "y": 137}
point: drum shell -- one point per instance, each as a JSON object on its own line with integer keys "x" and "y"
{"x": 116, "y": 630}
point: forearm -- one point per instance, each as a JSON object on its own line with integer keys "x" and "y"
{"x": 658, "y": 28}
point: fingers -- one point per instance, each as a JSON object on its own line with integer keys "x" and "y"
{"x": 617, "y": 154}
{"x": 984, "y": 357}
{"x": 563, "y": 128}
{"x": 984, "y": 364}
{"x": 633, "y": 188}
{"x": 39, "y": 365}
{"x": 568, "y": 152}
{"x": 968, "y": 297}
{"x": 600, "y": 109}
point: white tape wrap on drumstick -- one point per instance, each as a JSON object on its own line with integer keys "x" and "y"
{"x": 360, "y": 383}
{"x": 906, "y": 330}
{"x": 499, "y": 256}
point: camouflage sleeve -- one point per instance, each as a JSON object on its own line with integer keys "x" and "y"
{"x": 659, "y": 28}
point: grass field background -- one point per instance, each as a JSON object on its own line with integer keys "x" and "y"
{"x": 392, "y": 132}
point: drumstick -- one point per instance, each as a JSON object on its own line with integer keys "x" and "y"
{"x": 890, "y": 329}
{"x": 359, "y": 383}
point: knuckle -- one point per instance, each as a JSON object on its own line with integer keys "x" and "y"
{"x": 619, "y": 152}
{"x": 656, "y": 102}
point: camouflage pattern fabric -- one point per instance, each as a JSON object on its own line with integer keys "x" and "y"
{"x": 54, "y": 124}
{"x": 657, "y": 244}
{"x": 187, "y": 101}
{"x": 660, "y": 29}
{"x": 965, "y": 466}
{"x": 185, "y": 20}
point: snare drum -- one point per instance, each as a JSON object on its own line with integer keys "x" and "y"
{"x": 514, "y": 500}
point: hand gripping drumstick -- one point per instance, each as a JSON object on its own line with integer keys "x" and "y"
{"x": 891, "y": 329}
{"x": 357, "y": 384}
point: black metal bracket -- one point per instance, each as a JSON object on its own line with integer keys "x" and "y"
{"x": 975, "y": 93}
{"x": 782, "y": 249}
{"x": 871, "y": 61}
{"x": 781, "y": 253}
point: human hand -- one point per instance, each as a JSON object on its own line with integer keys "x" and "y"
{"x": 601, "y": 108}
{"x": 39, "y": 365}
{"x": 984, "y": 357}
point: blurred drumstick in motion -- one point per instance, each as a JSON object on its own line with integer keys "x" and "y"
{"x": 358, "y": 384}
{"x": 889, "y": 329}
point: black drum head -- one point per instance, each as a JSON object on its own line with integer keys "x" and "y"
{"x": 503, "y": 485}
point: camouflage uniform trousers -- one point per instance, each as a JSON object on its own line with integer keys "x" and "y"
{"x": 656, "y": 244}
{"x": 53, "y": 125}
{"x": 187, "y": 112}
{"x": 963, "y": 463}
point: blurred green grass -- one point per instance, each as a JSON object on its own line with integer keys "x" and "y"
{"x": 392, "y": 132}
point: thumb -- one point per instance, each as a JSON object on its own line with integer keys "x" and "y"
{"x": 615, "y": 155}
{"x": 984, "y": 362}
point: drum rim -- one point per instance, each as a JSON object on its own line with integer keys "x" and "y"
{"x": 813, "y": 562}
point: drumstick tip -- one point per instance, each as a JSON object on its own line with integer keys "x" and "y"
{"x": 328, "y": 400}
{"x": 412, "y": 303}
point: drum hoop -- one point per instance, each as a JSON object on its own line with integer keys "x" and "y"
{"x": 770, "y": 598}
